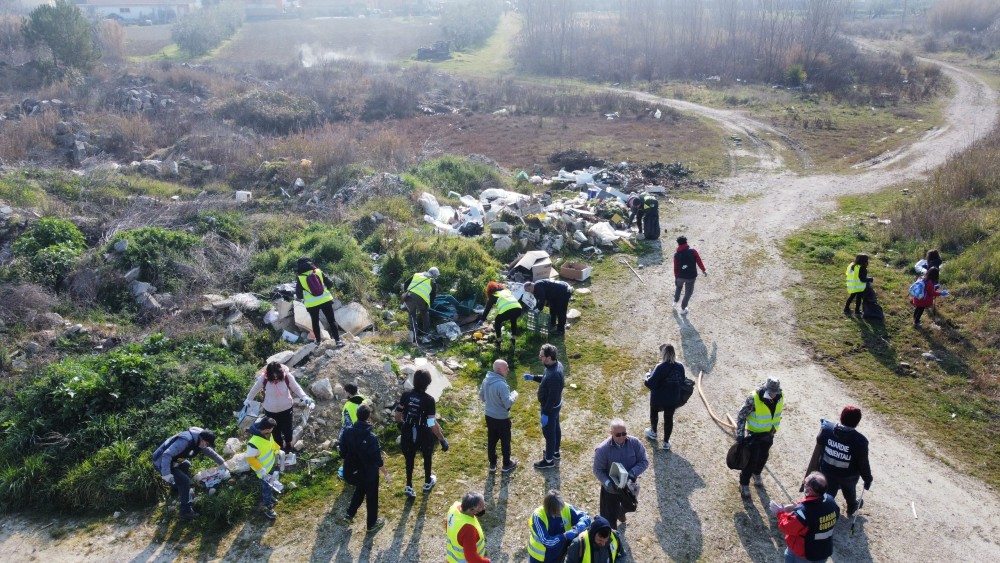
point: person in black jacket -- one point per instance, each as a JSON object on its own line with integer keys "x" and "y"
{"x": 841, "y": 454}
{"x": 316, "y": 303}
{"x": 419, "y": 430}
{"x": 664, "y": 384}
{"x": 362, "y": 457}
{"x": 550, "y": 389}
{"x": 557, "y": 295}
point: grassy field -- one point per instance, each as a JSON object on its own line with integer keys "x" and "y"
{"x": 145, "y": 41}
{"x": 493, "y": 59}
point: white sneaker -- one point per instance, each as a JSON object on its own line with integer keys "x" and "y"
{"x": 650, "y": 434}
{"x": 676, "y": 304}
{"x": 408, "y": 491}
{"x": 684, "y": 311}
{"x": 430, "y": 485}
{"x": 666, "y": 446}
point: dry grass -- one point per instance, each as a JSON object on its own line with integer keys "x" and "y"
{"x": 29, "y": 139}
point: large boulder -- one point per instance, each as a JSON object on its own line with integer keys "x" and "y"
{"x": 322, "y": 389}
{"x": 353, "y": 318}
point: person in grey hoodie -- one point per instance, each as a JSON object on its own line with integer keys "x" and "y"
{"x": 550, "y": 389}
{"x": 173, "y": 460}
{"x": 498, "y": 400}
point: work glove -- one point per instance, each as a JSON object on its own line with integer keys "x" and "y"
{"x": 581, "y": 526}
{"x": 610, "y": 487}
{"x": 944, "y": 292}
{"x": 545, "y": 420}
{"x": 169, "y": 479}
{"x": 444, "y": 445}
{"x": 528, "y": 377}
{"x": 479, "y": 321}
{"x": 739, "y": 439}
{"x": 868, "y": 485}
{"x": 310, "y": 403}
{"x": 571, "y": 535}
{"x": 937, "y": 286}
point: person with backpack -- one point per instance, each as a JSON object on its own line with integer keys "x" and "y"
{"x": 418, "y": 430}
{"x": 420, "y": 292}
{"x": 262, "y": 453}
{"x": 841, "y": 454}
{"x": 760, "y": 417}
{"x": 931, "y": 260}
{"x": 687, "y": 261}
{"x": 923, "y": 292}
{"x": 664, "y": 383}
{"x": 313, "y": 288}
{"x": 173, "y": 460}
{"x": 362, "y": 457}
{"x": 857, "y": 280}
{"x": 600, "y": 544}
{"x": 277, "y": 383}
{"x": 509, "y": 308}
{"x": 552, "y": 526}
{"x": 550, "y": 399}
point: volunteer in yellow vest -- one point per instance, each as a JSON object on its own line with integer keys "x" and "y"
{"x": 508, "y": 309}
{"x": 323, "y": 302}
{"x": 465, "y": 539}
{"x": 552, "y": 527}
{"x": 350, "y": 414}
{"x": 418, "y": 295}
{"x": 857, "y": 279}
{"x": 262, "y": 455}
{"x": 600, "y": 544}
{"x": 761, "y": 416}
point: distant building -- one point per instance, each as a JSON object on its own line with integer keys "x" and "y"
{"x": 138, "y": 11}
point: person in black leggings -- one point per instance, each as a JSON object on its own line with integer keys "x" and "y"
{"x": 664, "y": 384}
{"x": 418, "y": 428}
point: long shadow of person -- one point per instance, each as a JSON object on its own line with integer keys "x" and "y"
{"x": 757, "y": 532}
{"x": 852, "y": 548}
{"x": 247, "y": 544}
{"x": 412, "y": 552}
{"x": 333, "y": 537}
{"x": 696, "y": 356}
{"x": 679, "y": 528}
{"x": 653, "y": 253}
{"x": 157, "y": 542}
{"x": 494, "y": 523}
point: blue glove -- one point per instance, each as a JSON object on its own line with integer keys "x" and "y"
{"x": 479, "y": 322}
{"x": 528, "y": 377}
{"x": 944, "y": 292}
{"x": 571, "y": 535}
{"x": 444, "y": 445}
{"x": 581, "y": 526}
{"x": 545, "y": 420}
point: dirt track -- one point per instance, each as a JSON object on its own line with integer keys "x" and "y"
{"x": 740, "y": 330}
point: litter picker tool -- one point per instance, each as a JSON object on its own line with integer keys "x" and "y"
{"x": 861, "y": 502}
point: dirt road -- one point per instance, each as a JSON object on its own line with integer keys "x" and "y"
{"x": 740, "y": 331}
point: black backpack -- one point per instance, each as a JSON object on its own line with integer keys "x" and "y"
{"x": 687, "y": 389}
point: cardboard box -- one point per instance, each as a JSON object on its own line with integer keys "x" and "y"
{"x": 536, "y": 262}
{"x": 575, "y": 271}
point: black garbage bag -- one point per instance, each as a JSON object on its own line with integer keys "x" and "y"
{"x": 870, "y": 309}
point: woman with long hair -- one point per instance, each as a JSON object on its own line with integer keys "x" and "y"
{"x": 664, "y": 383}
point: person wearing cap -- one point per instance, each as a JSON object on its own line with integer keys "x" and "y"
{"x": 553, "y": 525}
{"x": 466, "y": 541}
{"x": 508, "y": 306}
{"x": 556, "y": 294}
{"x": 316, "y": 303}
{"x": 808, "y": 525}
{"x": 498, "y": 399}
{"x": 627, "y": 450}
{"x": 687, "y": 261}
{"x": 262, "y": 454}
{"x": 277, "y": 383}
{"x": 600, "y": 544}
{"x": 760, "y": 417}
{"x": 173, "y": 460}
{"x": 841, "y": 454}
{"x": 421, "y": 289}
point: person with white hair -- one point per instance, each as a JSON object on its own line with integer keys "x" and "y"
{"x": 619, "y": 496}
{"x": 421, "y": 289}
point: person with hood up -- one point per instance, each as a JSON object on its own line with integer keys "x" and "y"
{"x": 262, "y": 453}
{"x": 508, "y": 306}
{"x": 421, "y": 289}
{"x": 173, "y": 460}
{"x": 687, "y": 262}
{"x": 557, "y": 295}
{"x": 498, "y": 400}
{"x": 277, "y": 383}
{"x": 321, "y": 301}
{"x": 600, "y": 544}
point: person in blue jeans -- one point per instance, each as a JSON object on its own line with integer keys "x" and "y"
{"x": 550, "y": 390}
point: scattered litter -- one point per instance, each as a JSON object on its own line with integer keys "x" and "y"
{"x": 582, "y": 291}
{"x": 931, "y": 356}
{"x": 572, "y": 385}
{"x": 573, "y": 314}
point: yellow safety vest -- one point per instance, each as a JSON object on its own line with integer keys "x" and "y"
{"x": 649, "y": 202}
{"x": 506, "y": 301}
{"x": 351, "y": 408}
{"x": 267, "y": 450}
{"x": 854, "y": 282}
{"x": 308, "y": 299}
{"x": 420, "y": 286}
{"x": 761, "y": 420}
{"x": 456, "y": 520}
{"x": 612, "y": 543}
{"x": 536, "y": 549}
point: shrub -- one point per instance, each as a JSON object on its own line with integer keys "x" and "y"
{"x": 795, "y": 75}
{"x": 470, "y": 23}
{"x": 465, "y": 266}
{"x": 269, "y": 111}
{"x": 156, "y": 251}
{"x": 452, "y": 173}
{"x": 206, "y": 29}
{"x": 50, "y": 232}
{"x": 230, "y": 225}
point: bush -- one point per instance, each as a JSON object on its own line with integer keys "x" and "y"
{"x": 201, "y": 31}
{"x": 230, "y": 225}
{"x": 465, "y": 265}
{"x": 156, "y": 251}
{"x": 50, "y": 232}
{"x": 795, "y": 75}
{"x": 470, "y": 23}
{"x": 453, "y": 173}
{"x": 269, "y": 111}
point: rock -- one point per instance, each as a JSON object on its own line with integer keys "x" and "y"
{"x": 500, "y": 228}
{"x": 271, "y": 317}
{"x": 31, "y": 348}
{"x": 121, "y": 246}
{"x": 353, "y": 318}
{"x": 72, "y": 331}
{"x": 222, "y": 305}
{"x": 19, "y": 365}
{"x": 282, "y": 357}
{"x": 573, "y": 314}
{"x": 233, "y": 445}
{"x": 139, "y": 288}
{"x": 150, "y": 167}
{"x": 387, "y": 366}
{"x": 503, "y": 244}
{"x": 232, "y": 317}
{"x": 322, "y": 390}
{"x": 133, "y": 274}
{"x": 438, "y": 381}
{"x": 148, "y": 303}
{"x": 301, "y": 355}
{"x": 234, "y": 334}
{"x": 48, "y": 320}
{"x": 78, "y": 153}
{"x": 245, "y": 301}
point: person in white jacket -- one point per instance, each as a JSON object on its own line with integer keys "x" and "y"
{"x": 278, "y": 384}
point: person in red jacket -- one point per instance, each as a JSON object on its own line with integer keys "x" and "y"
{"x": 687, "y": 262}
{"x": 808, "y": 525}
{"x": 466, "y": 541}
{"x": 930, "y": 292}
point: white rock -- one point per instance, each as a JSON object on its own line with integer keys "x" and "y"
{"x": 322, "y": 390}
{"x": 353, "y": 318}
{"x": 233, "y": 445}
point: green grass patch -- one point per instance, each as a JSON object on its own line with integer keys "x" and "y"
{"x": 492, "y": 59}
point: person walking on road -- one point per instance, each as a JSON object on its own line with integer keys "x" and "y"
{"x": 931, "y": 291}
{"x": 418, "y": 430}
{"x": 466, "y": 540}
{"x": 553, "y": 525}
{"x": 173, "y": 460}
{"x": 600, "y": 544}
{"x": 857, "y": 280}
{"x": 617, "y": 498}
{"x": 557, "y": 295}
{"x": 687, "y": 262}
{"x": 362, "y": 457}
{"x": 550, "y": 391}
{"x": 664, "y": 384}
{"x": 277, "y": 383}
{"x": 498, "y": 400}
{"x": 262, "y": 453}
{"x": 760, "y": 417}
{"x": 509, "y": 308}
{"x": 808, "y": 525}
{"x": 313, "y": 289}
{"x": 841, "y": 455}
{"x": 421, "y": 289}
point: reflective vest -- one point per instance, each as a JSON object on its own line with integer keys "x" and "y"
{"x": 612, "y": 545}
{"x": 267, "y": 453}
{"x": 308, "y": 299}
{"x": 854, "y": 281}
{"x": 420, "y": 286}
{"x": 506, "y": 301}
{"x": 649, "y": 202}
{"x": 456, "y": 520}
{"x": 351, "y": 410}
{"x": 761, "y": 420}
{"x": 536, "y": 549}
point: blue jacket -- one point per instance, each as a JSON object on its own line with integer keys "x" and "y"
{"x": 664, "y": 384}
{"x": 553, "y": 538}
